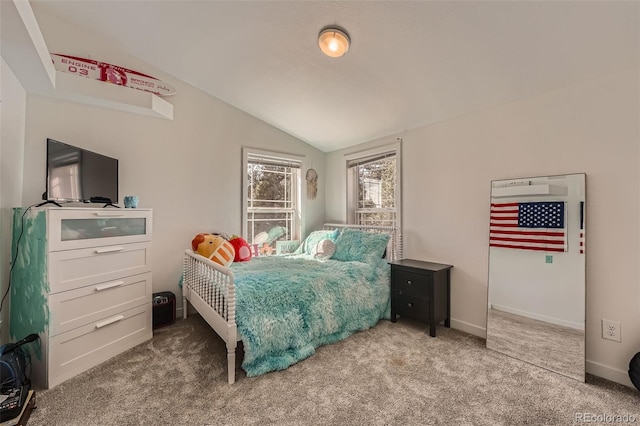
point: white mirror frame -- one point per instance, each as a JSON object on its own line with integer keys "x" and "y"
{"x": 536, "y": 295}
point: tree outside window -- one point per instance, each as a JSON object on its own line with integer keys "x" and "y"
{"x": 373, "y": 188}
{"x": 272, "y": 201}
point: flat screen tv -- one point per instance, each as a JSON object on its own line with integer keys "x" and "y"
{"x": 78, "y": 175}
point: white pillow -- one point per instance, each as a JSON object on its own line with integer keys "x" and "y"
{"x": 324, "y": 249}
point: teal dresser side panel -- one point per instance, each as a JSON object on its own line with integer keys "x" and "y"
{"x": 29, "y": 283}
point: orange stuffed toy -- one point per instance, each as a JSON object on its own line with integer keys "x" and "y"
{"x": 214, "y": 247}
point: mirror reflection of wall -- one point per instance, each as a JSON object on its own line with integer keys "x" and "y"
{"x": 536, "y": 297}
{"x": 64, "y": 172}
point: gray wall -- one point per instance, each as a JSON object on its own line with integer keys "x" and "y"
{"x": 12, "y": 128}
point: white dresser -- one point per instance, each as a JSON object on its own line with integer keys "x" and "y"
{"x": 82, "y": 281}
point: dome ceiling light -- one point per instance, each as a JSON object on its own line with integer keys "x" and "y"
{"x": 333, "y": 42}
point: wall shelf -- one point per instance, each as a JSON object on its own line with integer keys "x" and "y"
{"x": 529, "y": 190}
{"x": 25, "y": 51}
{"x": 102, "y": 94}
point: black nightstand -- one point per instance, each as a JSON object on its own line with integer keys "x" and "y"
{"x": 422, "y": 291}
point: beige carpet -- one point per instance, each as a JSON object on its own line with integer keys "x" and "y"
{"x": 393, "y": 374}
{"x": 551, "y": 346}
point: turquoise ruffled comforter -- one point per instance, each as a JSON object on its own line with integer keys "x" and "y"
{"x": 287, "y": 306}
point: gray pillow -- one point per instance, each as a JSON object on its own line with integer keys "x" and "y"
{"x": 324, "y": 249}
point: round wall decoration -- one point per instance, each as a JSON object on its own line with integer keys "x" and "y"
{"x": 312, "y": 184}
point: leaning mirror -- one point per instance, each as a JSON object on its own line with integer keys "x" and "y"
{"x": 536, "y": 297}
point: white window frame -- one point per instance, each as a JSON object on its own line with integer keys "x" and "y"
{"x": 297, "y": 188}
{"x": 352, "y": 183}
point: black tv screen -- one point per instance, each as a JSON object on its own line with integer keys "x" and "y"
{"x": 76, "y": 174}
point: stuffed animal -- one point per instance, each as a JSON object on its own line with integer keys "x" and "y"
{"x": 242, "y": 248}
{"x": 214, "y": 247}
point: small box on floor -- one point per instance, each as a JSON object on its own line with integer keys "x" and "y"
{"x": 164, "y": 309}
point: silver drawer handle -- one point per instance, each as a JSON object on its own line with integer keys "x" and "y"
{"x": 409, "y": 282}
{"x": 110, "y": 285}
{"x": 108, "y": 249}
{"x": 100, "y": 214}
{"x": 410, "y": 305}
{"x": 109, "y": 321}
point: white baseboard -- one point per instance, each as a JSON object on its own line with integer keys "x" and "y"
{"x": 532, "y": 315}
{"x": 469, "y": 328}
{"x": 609, "y": 373}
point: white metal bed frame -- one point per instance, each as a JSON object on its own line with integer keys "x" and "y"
{"x": 210, "y": 289}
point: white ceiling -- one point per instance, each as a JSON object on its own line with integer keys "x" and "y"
{"x": 410, "y": 63}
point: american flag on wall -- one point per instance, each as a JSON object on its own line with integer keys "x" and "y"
{"x": 528, "y": 226}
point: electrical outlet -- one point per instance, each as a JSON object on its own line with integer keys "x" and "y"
{"x": 611, "y": 330}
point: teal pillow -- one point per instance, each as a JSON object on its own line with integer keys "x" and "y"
{"x": 357, "y": 245}
{"x": 314, "y": 238}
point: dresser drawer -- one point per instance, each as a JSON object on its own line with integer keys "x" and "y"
{"x": 411, "y": 306}
{"x": 82, "y": 348}
{"x": 75, "y": 308}
{"x": 70, "y": 229}
{"x": 73, "y": 269}
{"x": 410, "y": 283}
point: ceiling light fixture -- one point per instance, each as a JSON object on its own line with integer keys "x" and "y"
{"x": 333, "y": 42}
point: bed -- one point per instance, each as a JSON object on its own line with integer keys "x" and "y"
{"x": 283, "y": 307}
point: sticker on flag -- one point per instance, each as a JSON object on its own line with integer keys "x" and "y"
{"x": 109, "y": 73}
{"x": 528, "y": 226}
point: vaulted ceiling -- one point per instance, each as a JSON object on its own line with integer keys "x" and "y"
{"x": 411, "y": 63}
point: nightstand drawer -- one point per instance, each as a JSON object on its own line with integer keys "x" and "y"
{"x": 413, "y": 307}
{"x": 410, "y": 283}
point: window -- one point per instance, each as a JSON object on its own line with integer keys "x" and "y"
{"x": 373, "y": 187}
{"x": 271, "y": 198}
